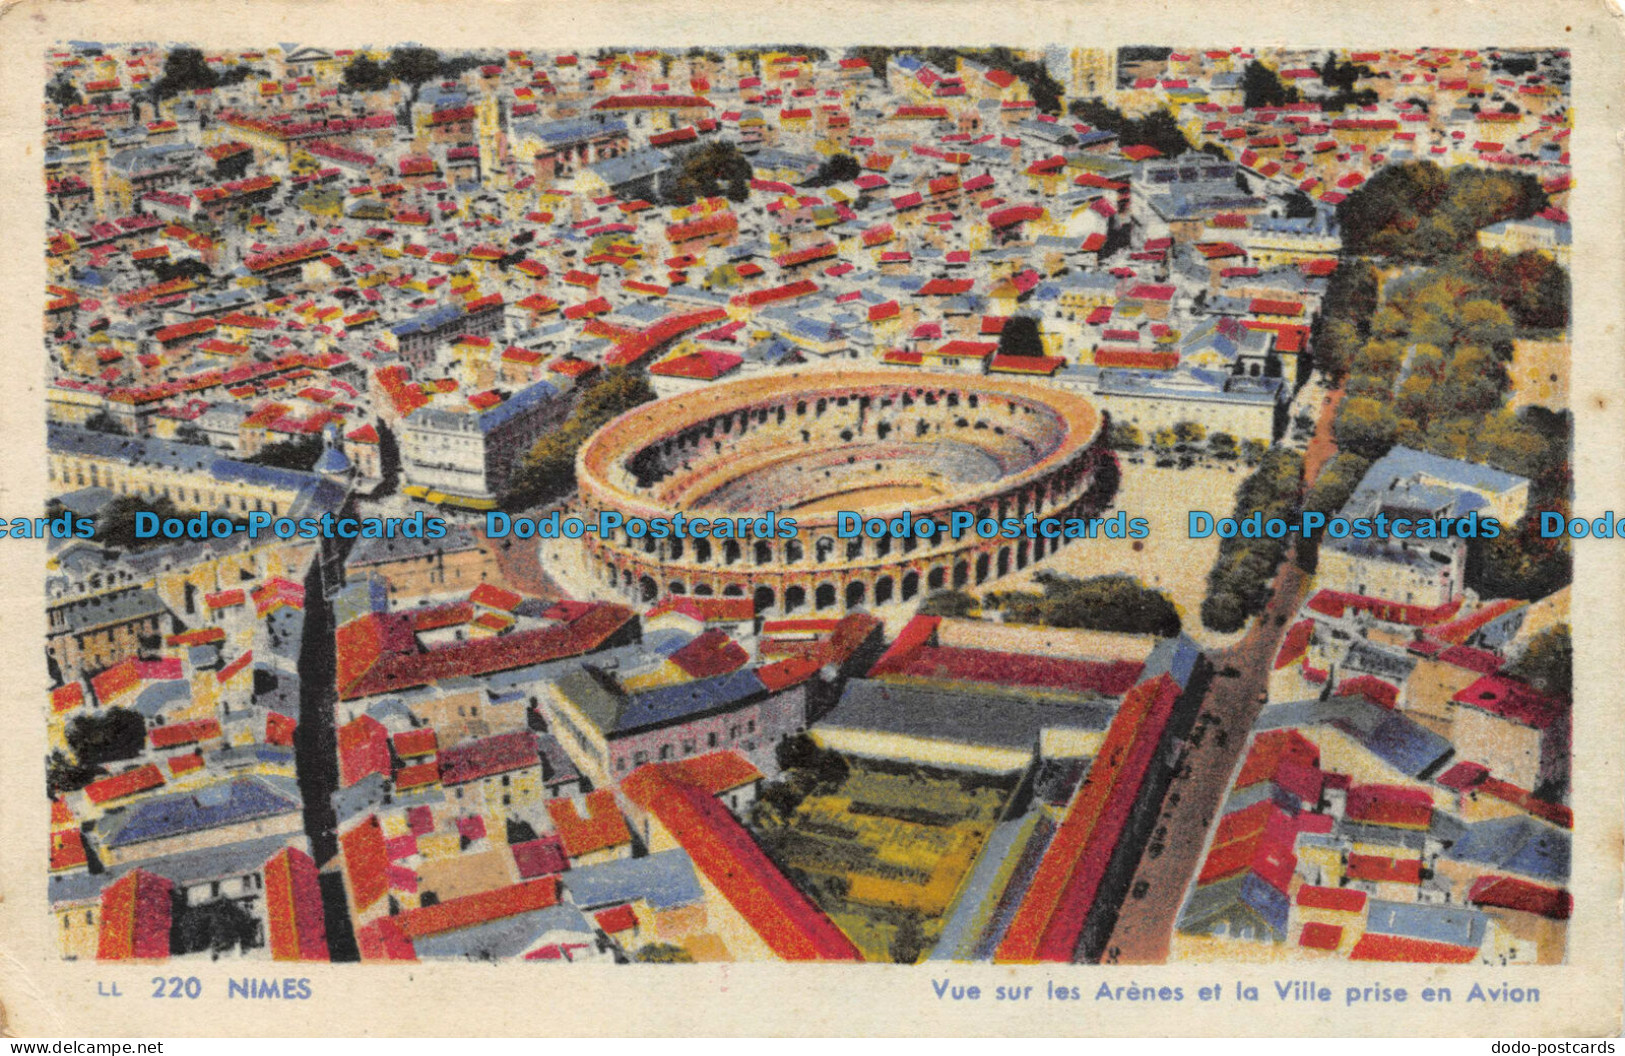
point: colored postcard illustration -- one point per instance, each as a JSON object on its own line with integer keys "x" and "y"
{"x": 1099, "y": 523}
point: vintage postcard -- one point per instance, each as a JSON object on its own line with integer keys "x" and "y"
{"x": 1067, "y": 518}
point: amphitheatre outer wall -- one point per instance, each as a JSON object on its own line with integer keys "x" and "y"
{"x": 808, "y": 443}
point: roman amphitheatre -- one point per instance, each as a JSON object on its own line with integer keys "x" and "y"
{"x": 811, "y": 443}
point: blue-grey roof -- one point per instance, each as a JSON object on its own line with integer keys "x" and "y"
{"x": 359, "y": 798}
{"x": 100, "y": 610}
{"x": 433, "y": 319}
{"x": 1391, "y": 737}
{"x": 222, "y": 803}
{"x": 1456, "y": 925}
{"x": 1517, "y": 844}
{"x": 569, "y": 130}
{"x": 1189, "y": 383}
{"x": 665, "y": 704}
{"x": 154, "y": 699}
{"x": 997, "y": 719}
{"x": 627, "y": 168}
{"x": 1403, "y": 463}
{"x": 982, "y": 890}
{"x": 665, "y": 880}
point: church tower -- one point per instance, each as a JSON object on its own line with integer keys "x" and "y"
{"x": 1094, "y": 74}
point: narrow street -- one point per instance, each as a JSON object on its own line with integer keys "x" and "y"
{"x": 1145, "y": 925}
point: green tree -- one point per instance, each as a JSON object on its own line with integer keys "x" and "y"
{"x": 1118, "y": 603}
{"x": 956, "y": 603}
{"x": 1157, "y": 129}
{"x": 838, "y": 169}
{"x": 299, "y": 452}
{"x": 702, "y": 172}
{"x": 1022, "y": 335}
{"x": 1365, "y": 426}
{"x": 413, "y": 66}
{"x": 107, "y": 736}
{"x": 102, "y": 422}
{"x": 117, "y": 524}
{"x": 1261, "y": 86}
{"x": 1547, "y": 662}
{"x": 1416, "y": 211}
{"x": 1238, "y": 584}
{"x": 1126, "y": 436}
{"x": 63, "y": 92}
{"x": 185, "y": 70}
{"x": 365, "y": 74}
{"x": 908, "y": 941}
{"x": 63, "y": 774}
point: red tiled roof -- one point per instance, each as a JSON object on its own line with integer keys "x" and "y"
{"x": 1513, "y": 700}
{"x": 602, "y": 828}
{"x": 1052, "y": 914}
{"x": 791, "y": 926}
{"x": 489, "y": 756}
{"x": 1377, "y": 868}
{"x": 363, "y": 749}
{"x": 127, "y": 784}
{"x": 184, "y": 733}
{"x": 1339, "y": 899}
{"x": 717, "y": 772}
{"x": 1319, "y": 936}
{"x": 1395, "y": 805}
{"x": 293, "y": 908}
{"x": 416, "y": 742}
{"x": 1509, "y": 892}
{"x": 135, "y": 918}
{"x": 1416, "y": 951}
{"x": 366, "y": 862}
{"x": 378, "y": 653}
{"x": 540, "y": 857}
{"x": 68, "y": 849}
{"x": 482, "y": 908}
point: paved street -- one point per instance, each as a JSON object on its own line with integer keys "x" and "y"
{"x": 1146, "y": 923}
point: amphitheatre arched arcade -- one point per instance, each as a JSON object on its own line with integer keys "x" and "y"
{"x": 810, "y": 443}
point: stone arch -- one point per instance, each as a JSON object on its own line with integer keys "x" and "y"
{"x": 855, "y": 591}
{"x": 824, "y": 596}
{"x": 794, "y": 551}
{"x": 733, "y": 590}
{"x": 961, "y": 574}
{"x": 883, "y": 590}
{"x": 911, "y": 584}
{"x": 703, "y": 590}
{"x": 763, "y": 552}
{"x": 730, "y": 551}
{"x": 647, "y": 591}
{"x": 1004, "y": 561}
{"x": 936, "y": 578}
{"x": 764, "y": 598}
{"x": 676, "y": 586}
{"x": 981, "y": 568}
{"x": 795, "y": 598}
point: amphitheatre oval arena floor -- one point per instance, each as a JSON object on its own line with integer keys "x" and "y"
{"x": 812, "y": 443}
